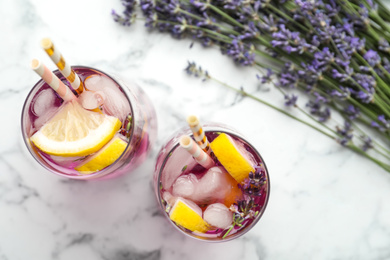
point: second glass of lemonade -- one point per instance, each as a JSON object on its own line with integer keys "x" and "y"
{"x": 107, "y": 131}
{"x": 213, "y": 199}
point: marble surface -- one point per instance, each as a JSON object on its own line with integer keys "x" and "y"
{"x": 326, "y": 202}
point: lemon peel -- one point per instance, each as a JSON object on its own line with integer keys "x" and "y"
{"x": 229, "y": 155}
{"x": 188, "y": 216}
{"x": 104, "y": 157}
{"x": 75, "y": 131}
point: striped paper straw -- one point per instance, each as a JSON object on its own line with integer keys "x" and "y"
{"x": 50, "y": 78}
{"x": 61, "y": 64}
{"x": 199, "y": 155}
{"x": 198, "y": 132}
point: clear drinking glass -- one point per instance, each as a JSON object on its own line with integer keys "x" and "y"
{"x": 139, "y": 127}
{"x": 173, "y": 161}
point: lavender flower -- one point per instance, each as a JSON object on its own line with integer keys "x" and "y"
{"x": 372, "y": 58}
{"x": 332, "y": 8}
{"x": 316, "y": 109}
{"x": 352, "y": 112}
{"x": 128, "y": 14}
{"x": 323, "y": 59}
{"x": 342, "y": 93}
{"x": 253, "y": 185}
{"x": 367, "y": 143}
{"x": 348, "y": 27}
{"x": 320, "y": 98}
{"x": 345, "y": 133}
{"x": 241, "y": 52}
{"x": 267, "y": 78}
{"x": 290, "y": 100}
{"x": 373, "y": 6}
{"x": 202, "y": 6}
{"x": 350, "y": 44}
{"x": 382, "y": 124}
{"x": 269, "y": 24}
{"x": 343, "y": 76}
{"x": 289, "y": 77}
{"x": 197, "y": 71}
{"x": 368, "y": 83}
{"x": 289, "y": 41}
{"x": 384, "y": 45}
{"x": 386, "y": 64}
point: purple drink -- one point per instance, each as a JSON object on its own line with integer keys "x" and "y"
{"x": 125, "y": 118}
{"x": 210, "y": 204}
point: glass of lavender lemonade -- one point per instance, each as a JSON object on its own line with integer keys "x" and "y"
{"x": 211, "y": 183}
{"x": 107, "y": 131}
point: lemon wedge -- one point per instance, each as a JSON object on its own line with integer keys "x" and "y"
{"x": 75, "y": 131}
{"x": 103, "y": 158}
{"x": 188, "y": 215}
{"x": 235, "y": 159}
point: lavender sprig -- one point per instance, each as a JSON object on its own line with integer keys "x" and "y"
{"x": 335, "y": 52}
{"x": 341, "y": 135}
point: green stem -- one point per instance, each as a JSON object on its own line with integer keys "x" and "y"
{"x": 378, "y": 162}
{"x": 226, "y": 16}
{"x": 282, "y": 14}
{"x": 242, "y": 92}
{"x": 374, "y": 16}
{"x": 228, "y": 30}
{"x": 269, "y": 57}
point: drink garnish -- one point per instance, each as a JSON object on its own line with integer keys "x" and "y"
{"x": 104, "y": 157}
{"x": 74, "y": 131}
{"x": 247, "y": 208}
{"x": 126, "y": 126}
{"x": 188, "y": 215}
{"x": 235, "y": 160}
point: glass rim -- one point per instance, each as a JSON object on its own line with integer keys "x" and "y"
{"x": 31, "y": 148}
{"x": 208, "y": 127}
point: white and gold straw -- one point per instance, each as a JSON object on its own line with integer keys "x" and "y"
{"x": 199, "y": 134}
{"x": 199, "y": 155}
{"x": 61, "y": 64}
{"x": 50, "y": 78}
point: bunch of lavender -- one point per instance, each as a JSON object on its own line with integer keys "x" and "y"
{"x": 334, "y": 52}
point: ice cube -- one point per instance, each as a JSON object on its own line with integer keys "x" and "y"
{"x": 44, "y": 101}
{"x": 43, "y": 119}
{"x": 115, "y": 102}
{"x": 190, "y": 204}
{"x": 67, "y": 162}
{"x": 91, "y": 99}
{"x": 167, "y": 196}
{"x": 215, "y": 186}
{"x": 218, "y": 215}
{"x": 179, "y": 160}
{"x": 249, "y": 156}
{"x": 185, "y": 185}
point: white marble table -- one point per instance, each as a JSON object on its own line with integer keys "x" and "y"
{"x": 326, "y": 202}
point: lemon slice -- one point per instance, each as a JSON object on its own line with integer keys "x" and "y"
{"x": 74, "y": 131}
{"x": 103, "y": 158}
{"x": 188, "y": 215}
{"x": 234, "y": 158}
